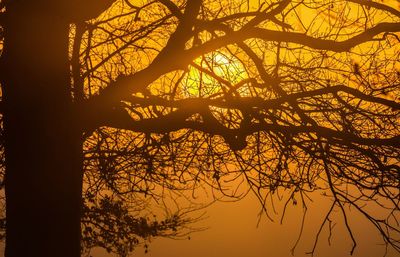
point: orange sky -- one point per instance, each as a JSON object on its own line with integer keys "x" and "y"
{"x": 233, "y": 233}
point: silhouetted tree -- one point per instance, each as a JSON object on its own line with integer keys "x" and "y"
{"x": 144, "y": 95}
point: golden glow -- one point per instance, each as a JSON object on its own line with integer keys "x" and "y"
{"x": 275, "y": 162}
{"x": 213, "y": 73}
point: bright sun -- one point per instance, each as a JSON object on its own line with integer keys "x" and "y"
{"x": 212, "y": 74}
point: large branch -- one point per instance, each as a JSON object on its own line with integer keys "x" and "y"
{"x": 186, "y": 108}
{"x": 173, "y": 57}
{"x": 377, "y": 5}
{"x": 85, "y": 10}
{"x": 258, "y": 102}
{"x": 179, "y": 119}
{"x": 293, "y": 37}
{"x": 183, "y": 32}
{"x": 126, "y": 85}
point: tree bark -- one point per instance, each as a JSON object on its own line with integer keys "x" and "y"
{"x": 42, "y": 140}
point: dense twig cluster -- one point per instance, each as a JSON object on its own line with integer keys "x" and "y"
{"x": 239, "y": 95}
{"x": 301, "y": 95}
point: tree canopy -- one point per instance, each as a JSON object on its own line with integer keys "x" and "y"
{"x": 240, "y": 96}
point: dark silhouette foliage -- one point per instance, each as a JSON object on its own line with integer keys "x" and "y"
{"x": 268, "y": 97}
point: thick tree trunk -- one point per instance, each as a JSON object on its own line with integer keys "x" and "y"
{"x": 42, "y": 140}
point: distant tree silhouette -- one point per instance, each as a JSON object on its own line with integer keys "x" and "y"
{"x": 132, "y": 97}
